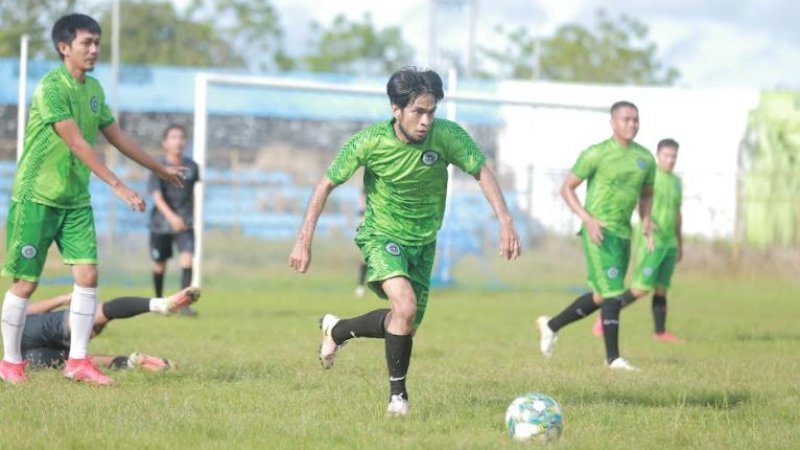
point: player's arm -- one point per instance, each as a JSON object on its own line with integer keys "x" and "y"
{"x": 593, "y": 226}
{"x": 49, "y": 304}
{"x": 68, "y": 131}
{"x": 509, "y": 239}
{"x": 300, "y": 258}
{"x": 128, "y": 147}
{"x": 176, "y": 221}
{"x": 645, "y": 207}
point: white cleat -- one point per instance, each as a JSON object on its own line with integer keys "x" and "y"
{"x": 359, "y": 291}
{"x": 622, "y": 364}
{"x": 327, "y": 350}
{"x": 398, "y": 407}
{"x": 547, "y": 337}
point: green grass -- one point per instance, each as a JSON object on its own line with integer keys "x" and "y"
{"x": 249, "y": 375}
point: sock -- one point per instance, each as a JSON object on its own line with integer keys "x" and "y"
{"x": 158, "y": 283}
{"x": 660, "y": 313}
{"x": 81, "y": 319}
{"x": 186, "y": 278}
{"x": 580, "y": 308}
{"x": 362, "y": 274}
{"x": 124, "y": 307}
{"x": 370, "y": 324}
{"x": 120, "y": 362}
{"x": 158, "y": 305}
{"x": 609, "y": 312}
{"x": 13, "y": 318}
{"x": 626, "y": 298}
{"x": 398, "y": 358}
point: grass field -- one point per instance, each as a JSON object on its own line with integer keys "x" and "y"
{"x": 249, "y": 375}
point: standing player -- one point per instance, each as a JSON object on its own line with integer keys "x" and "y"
{"x": 654, "y": 267}
{"x": 405, "y": 163}
{"x": 619, "y": 172}
{"x": 173, "y": 213}
{"x": 50, "y": 198}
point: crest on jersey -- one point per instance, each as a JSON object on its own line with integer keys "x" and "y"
{"x": 93, "y": 104}
{"x": 612, "y": 273}
{"x": 155, "y": 254}
{"x": 647, "y": 271}
{"x": 641, "y": 163}
{"x": 392, "y": 249}
{"x": 430, "y": 157}
{"x": 29, "y": 252}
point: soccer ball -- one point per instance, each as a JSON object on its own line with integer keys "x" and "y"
{"x": 534, "y": 417}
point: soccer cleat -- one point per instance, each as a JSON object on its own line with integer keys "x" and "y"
{"x": 622, "y": 364}
{"x": 184, "y": 298}
{"x": 668, "y": 337}
{"x": 149, "y": 363}
{"x": 597, "y": 328}
{"x": 398, "y": 406}
{"x": 328, "y": 348}
{"x": 84, "y": 370}
{"x": 359, "y": 292}
{"x": 13, "y": 373}
{"x": 547, "y": 337}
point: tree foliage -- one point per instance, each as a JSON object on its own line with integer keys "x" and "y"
{"x": 34, "y": 17}
{"x": 357, "y": 48}
{"x": 613, "y": 51}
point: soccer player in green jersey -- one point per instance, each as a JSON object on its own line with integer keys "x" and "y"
{"x": 50, "y": 198}
{"x": 655, "y": 266}
{"x": 619, "y": 173}
{"x": 405, "y": 163}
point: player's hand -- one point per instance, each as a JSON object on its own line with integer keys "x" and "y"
{"x": 300, "y": 258}
{"x": 173, "y": 175}
{"x": 647, "y": 230}
{"x": 177, "y": 223}
{"x": 594, "y": 228}
{"x": 510, "y": 248}
{"x": 130, "y": 197}
{"x": 64, "y": 299}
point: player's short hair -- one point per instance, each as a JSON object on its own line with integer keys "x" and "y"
{"x": 668, "y": 142}
{"x": 410, "y": 82}
{"x": 173, "y": 126}
{"x": 622, "y": 104}
{"x": 66, "y": 28}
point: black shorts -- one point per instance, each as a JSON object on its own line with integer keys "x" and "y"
{"x": 161, "y": 244}
{"x": 45, "y": 339}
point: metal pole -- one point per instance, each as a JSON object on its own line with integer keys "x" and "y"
{"x": 22, "y": 98}
{"x": 199, "y": 156}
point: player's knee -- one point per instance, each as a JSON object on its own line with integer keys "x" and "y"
{"x": 22, "y": 288}
{"x": 86, "y": 276}
{"x": 405, "y": 310}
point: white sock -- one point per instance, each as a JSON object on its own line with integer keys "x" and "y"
{"x": 13, "y": 319}
{"x": 158, "y": 305}
{"x": 82, "y": 309}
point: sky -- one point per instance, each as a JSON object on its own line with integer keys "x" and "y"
{"x": 713, "y": 43}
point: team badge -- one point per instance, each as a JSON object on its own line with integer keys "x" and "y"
{"x": 155, "y": 254}
{"x": 612, "y": 273}
{"x": 647, "y": 271}
{"x": 641, "y": 163}
{"x": 430, "y": 157}
{"x": 29, "y": 252}
{"x": 393, "y": 249}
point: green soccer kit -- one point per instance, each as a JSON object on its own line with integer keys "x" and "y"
{"x": 51, "y": 185}
{"x": 406, "y": 188}
{"x": 615, "y": 176}
{"x": 655, "y": 268}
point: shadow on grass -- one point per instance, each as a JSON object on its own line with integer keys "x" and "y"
{"x": 767, "y": 337}
{"x": 721, "y": 400}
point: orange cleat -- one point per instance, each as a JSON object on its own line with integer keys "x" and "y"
{"x": 85, "y": 371}
{"x": 597, "y": 328}
{"x": 149, "y": 363}
{"x": 668, "y": 337}
{"x": 12, "y": 373}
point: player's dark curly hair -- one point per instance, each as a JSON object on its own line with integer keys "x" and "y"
{"x": 66, "y": 28}
{"x": 408, "y": 83}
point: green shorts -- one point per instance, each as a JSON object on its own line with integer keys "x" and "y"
{"x": 32, "y": 228}
{"x": 386, "y": 259}
{"x": 654, "y": 269}
{"x": 607, "y": 263}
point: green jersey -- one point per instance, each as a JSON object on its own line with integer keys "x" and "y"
{"x": 406, "y": 184}
{"x": 667, "y": 194}
{"x": 615, "y": 176}
{"x": 49, "y": 172}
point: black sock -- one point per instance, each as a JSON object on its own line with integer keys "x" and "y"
{"x": 362, "y": 274}
{"x": 660, "y": 313}
{"x": 626, "y": 298}
{"x": 580, "y": 308}
{"x": 367, "y": 325}
{"x": 609, "y": 312}
{"x": 120, "y": 362}
{"x": 123, "y": 307}
{"x": 186, "y": 277}
{"x": 398, "y": 358}
{"x": 158, "y": 283}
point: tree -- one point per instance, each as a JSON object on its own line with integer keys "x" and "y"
{"x": 616, "y": 52}
{"x": 34, "y": 17}
{"x": 357, "y": 48}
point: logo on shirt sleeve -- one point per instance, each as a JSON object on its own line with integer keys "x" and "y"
{"x": 392, "y": 249}
{"x": 430, "y": 157}
{"x": 641, "y": 163}
{"x": 93, "y": 104}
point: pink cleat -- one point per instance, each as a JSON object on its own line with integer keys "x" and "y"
{"x": 83, "y": 370}
{"x": 668, "y": 337}
{"x": 149, "y": 363}
{"x": 597, "y": 328}
{"x": 182, "y": 299}
{"x": 12, "y": 373}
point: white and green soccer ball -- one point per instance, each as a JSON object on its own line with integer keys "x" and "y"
{"x": 534, "y": 417}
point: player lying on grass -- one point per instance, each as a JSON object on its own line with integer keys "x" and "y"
{"x": 46, "y": 336}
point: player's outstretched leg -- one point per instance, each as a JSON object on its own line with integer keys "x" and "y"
{"x": 182, "y": 298}
{"x": 328, "y": 348}
{"x": 547, "y": 337}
